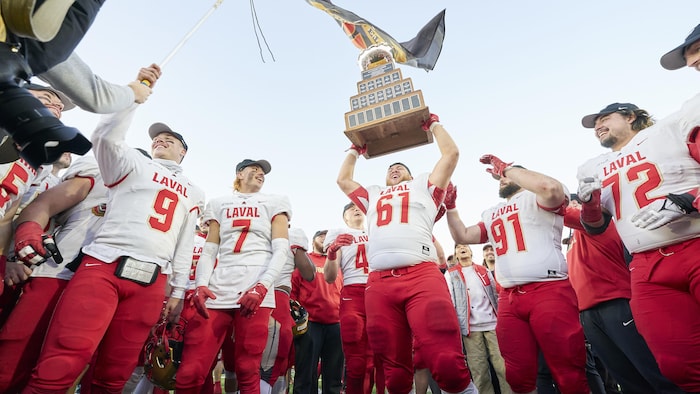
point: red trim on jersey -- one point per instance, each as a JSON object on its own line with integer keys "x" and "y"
{"x": 560, "y": 210}
{"x": 694, "y": 144}
{"x": 91, "y": 179}
{"x": 357, "y": 196}
{"x": 438, "y": 194}
{"x": 117, "y": 182}
{"x": 484, "y": 234}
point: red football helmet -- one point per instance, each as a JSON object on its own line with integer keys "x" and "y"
{"x": 163, "y": 352}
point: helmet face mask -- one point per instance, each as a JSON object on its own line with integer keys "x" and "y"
{"x": 163, "y": 353}
{"x": 300, "y": 316}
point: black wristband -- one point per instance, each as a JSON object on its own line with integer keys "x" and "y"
{"x": 683, "y": 201}
{"x": 598, "y": 230}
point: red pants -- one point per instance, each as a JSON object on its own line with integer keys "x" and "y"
{"x": 353, "y": 332}
{"x": 97, "y": 308}
{"x": 542, "y": 315}
{"x": 414, "y": 301}
{"x": 205, "y": 337}
{"x": 23, "y": 333}
{"x": 666, "y": 309}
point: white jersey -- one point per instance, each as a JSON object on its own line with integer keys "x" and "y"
{"x": 400, "y": 222}
{"x": 153, "y": 207}
{"x": 353, "y": 258}
{"x": 199, "y": 241}
{"x": 245, "y": 248}
{"x": 77, "y": 225}
{"x": 296, "y": 237}
{"x": 36, "y": 188}
{"x": 15, "y": 180}
{"x": 527, "y": 241}
{"x": 653, "y": 164}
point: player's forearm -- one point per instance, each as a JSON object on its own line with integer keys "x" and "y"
{"x": 274, "y": 268}
{"x": 550, "y": 192}
{"x": 330, "y": 269}
{"x": 460, "y": 233}
{"x": 347, "y": 172}
{"x": 449, "y": 157}
{"x": 303, "y": 263}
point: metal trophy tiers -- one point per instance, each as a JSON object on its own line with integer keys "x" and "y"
{"x": 387, "y": 113}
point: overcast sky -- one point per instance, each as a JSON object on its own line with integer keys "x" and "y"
{"x": 514, "y": 79}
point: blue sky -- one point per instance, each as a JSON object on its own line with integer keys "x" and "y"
{"x": 514, "y": 79}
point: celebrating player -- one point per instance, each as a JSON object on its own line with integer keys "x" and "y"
{"x": 600, "y": 277}
{"x": 346, "y": 251}
{"x": 116, "y": 295}
{"x": 79, "y": 201}
{"x": 647, "y": 183}
{"x": 249, "y": 232}
{"x": 405, "y": 285}
{"x": 537, "y": 306}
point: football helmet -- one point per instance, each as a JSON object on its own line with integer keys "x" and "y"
{"x": 300, "y": 316}
{"x": 163, "y": 352}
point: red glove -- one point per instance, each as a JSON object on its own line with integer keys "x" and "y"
{"x": 340, "y": 240}
{"x": 251, "y": 300}
{"x": 199, "y": 299}
{"x": 29, "y": 244}
{"x": 361, "y": 150}
{"x": 428, "y": 122}
{"x": 451, "y": 196}
{"x": 499, "y": 166}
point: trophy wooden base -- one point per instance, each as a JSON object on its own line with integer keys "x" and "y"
{"x": 392, "y": 135}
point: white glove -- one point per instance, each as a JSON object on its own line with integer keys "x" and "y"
{"x": 586, "y": 187}
{"x": 657, "y": 214}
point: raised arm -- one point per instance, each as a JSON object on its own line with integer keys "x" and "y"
{"x": 449, "y": 153}
{"x": 346, "y": 175}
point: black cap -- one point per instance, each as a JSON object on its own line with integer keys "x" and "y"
{"x": 588, "y": 121}
{"x": 264, "y": 164}
{"x": 487, "y": 246}
{"x": 67, "y": 103}
{"x": 319, "y": 232}
{"x": 574, "y": 197}
{"x": 157, "y": 128}
{"x": 675, "y": 59}
{"x": 404, "y": 166}
{"x": 348, "y": 206}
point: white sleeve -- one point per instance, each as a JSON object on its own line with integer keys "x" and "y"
{"x": 113, "y": 155}
{"x": 182, "y": 257}
{"x": 205, "y": 265}
{"x": 87, "y": 90}
{"x": 331, "y": 235}
{"x": 280, "y": 249}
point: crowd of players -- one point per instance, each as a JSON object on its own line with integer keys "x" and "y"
{"x": 123, "y": 250}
